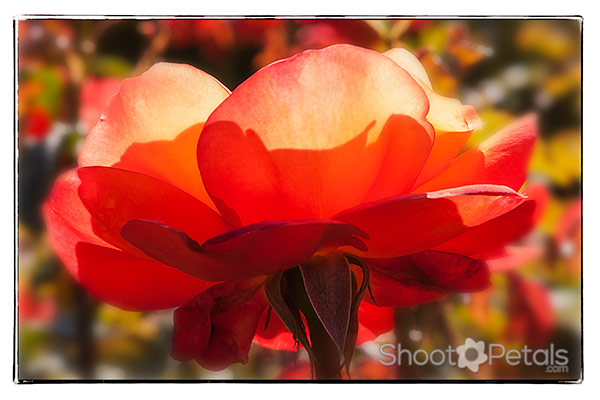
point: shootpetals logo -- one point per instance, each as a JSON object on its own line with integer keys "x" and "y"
{"x": 473, "y": 354}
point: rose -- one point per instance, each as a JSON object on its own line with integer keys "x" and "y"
{"x": 321, "y": 176}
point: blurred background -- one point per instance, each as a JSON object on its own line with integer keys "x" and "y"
{"x": 68, "y": 69}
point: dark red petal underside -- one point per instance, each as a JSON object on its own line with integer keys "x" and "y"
{"x": 243, "y": 253}
{"x": 424, "y": 277}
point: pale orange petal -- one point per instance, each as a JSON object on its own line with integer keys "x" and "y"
{"x": 153, "y": 123}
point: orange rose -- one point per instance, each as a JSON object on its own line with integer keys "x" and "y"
{"x": 321, "y": 176}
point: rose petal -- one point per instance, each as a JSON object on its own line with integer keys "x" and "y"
{"x": 116, "y": 277}
{"x": 410, "y": 63}
{"x": 446, "y": 114}
{"x": 502, "y": 230}
{"x": 423, "y": 277}
{"x": 500, "y": 160}
{"x": 412, "y": 223}
{"x": 374, "y": 321}
{"x": 98, "y": 201}
{"x": 288, "y": 142}
{"x": 453, "y": 122}
{"x": 85, "y": 212}
{"x": 217, "y": 326}
{"x": 153, "y": 123}
{"x": 242, "y": 253}
{"x": 446, "y": 147}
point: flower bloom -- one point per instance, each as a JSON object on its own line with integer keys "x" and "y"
{"x": 321, "y": 176}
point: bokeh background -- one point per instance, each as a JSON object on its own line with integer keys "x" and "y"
{"x": 68, "y": 69}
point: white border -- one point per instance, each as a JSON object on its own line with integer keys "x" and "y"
{"x": 314, "y": 7}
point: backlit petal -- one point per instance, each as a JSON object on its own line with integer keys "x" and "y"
{"x": 314, "y": 134}
{"x": 412, "y": 223}
{"x": 374, "y": 321}
{"x": 500, "y": 160}
{"x": 453, "y": 121}
{"x": 503, "y": 230}
{"x": 153, "y": 123}
{"x": 446, "y": 114}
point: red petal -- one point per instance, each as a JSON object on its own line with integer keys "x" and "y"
{"x": 153, "y": 123}
{"x": 310, "y": 136}
{"x": 116, "y": 277}
{"x": 90, "y": 205}
{"x": 412, "y": 223}
{"x": 217, "y": 326}
{"x": 192, "y": 326}
{"x": 98, "y": 201}
{"x": 503, "y": 230}
{"x": 242, "y": 253}
{"x": 424, "y": 277}
{"x": 374, "y": 321}
{"x": 500, "y": 160}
